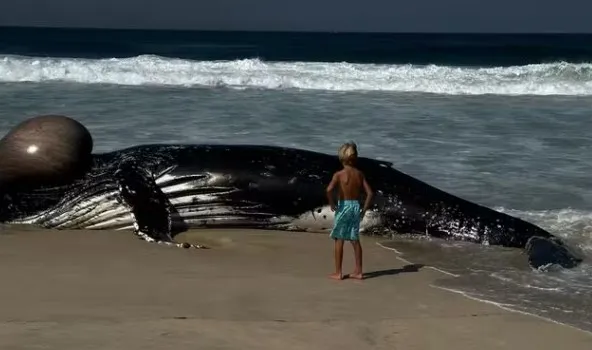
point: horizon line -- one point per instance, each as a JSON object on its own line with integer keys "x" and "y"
{"x": 46, "y": 27}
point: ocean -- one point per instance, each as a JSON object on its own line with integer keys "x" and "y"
{"x": 501, "y": 120}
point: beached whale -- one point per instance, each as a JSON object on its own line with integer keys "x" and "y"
{"x": 161, "y": 190}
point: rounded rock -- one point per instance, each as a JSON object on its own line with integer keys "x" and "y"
{"x": 48, "y": 149}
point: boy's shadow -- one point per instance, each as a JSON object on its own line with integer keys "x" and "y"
{"x": 391, "y": 272}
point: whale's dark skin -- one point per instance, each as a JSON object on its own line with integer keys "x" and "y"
{"x": 263, "y": 187}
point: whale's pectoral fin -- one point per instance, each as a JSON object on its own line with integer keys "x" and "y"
{"x": 545, "y": 251}
{"x": 149, "y": 205}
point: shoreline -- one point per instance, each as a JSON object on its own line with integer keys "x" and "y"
{"x": 486, "y": 301}
{"x": 251, "y": 289}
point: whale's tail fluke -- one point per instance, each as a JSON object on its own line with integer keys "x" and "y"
{"x": 545, "y": 251}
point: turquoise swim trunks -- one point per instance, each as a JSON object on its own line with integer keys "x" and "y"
{"x": 347, "y": 221}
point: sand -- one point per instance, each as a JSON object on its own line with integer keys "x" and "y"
{"x": 252, "y": 290}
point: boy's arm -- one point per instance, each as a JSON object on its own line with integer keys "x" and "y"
{"x": 369, "y": 194}
{"x": 330, "y": 190}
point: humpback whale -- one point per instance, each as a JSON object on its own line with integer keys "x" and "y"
{"x": 160, "y": 190}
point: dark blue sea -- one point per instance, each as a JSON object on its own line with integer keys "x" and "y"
{"x": 501, "y": 120}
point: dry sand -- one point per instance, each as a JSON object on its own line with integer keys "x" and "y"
{"x": 252, "y": 290}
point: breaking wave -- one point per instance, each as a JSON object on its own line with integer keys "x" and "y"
{"x": 571, "y": 224}
{"x": 538, "y": 79}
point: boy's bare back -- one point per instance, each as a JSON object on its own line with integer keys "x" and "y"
{"x": 351, "y": 182}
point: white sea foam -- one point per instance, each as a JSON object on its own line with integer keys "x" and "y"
{"x": 539, "y": 79}
{"x": 575, "y": 225}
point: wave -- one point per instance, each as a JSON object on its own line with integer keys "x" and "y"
{"x": 539, "y": 79}
{"x": 571, "y": 224}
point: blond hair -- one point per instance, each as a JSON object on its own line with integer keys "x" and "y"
{"x": 348, "y": 153}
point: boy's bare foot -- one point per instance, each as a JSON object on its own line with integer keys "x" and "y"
{"x": 336, "y": 276}
{"x": 357, "y": 276}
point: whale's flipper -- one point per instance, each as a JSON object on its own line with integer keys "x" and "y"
{"x": 149, "y": 205}
{"x": 545, "y": 251}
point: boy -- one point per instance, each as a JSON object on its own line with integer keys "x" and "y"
{"x": 346, "y": 227}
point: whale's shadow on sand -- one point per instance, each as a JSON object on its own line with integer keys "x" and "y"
{"x": 392, "y": 272}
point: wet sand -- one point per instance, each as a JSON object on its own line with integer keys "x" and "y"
{"x": 252, "y": 290}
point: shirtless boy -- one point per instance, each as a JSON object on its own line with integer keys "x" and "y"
{"x": 350, "y": 181}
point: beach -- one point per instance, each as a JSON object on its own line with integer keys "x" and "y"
{"x": 251, "y": 290}
{"x": 499, "y": 120}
